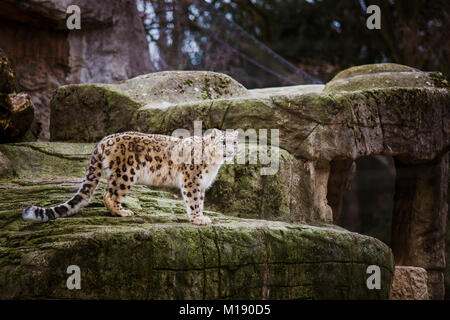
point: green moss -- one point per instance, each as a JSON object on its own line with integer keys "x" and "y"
{"x": 381, "y": 80}
{"x": 386, "y": 75}
{"x": 249, "y": 194}
{"x": 76, "y": 115}
{"x": 45, "y": 160}
{"x": 440, "y": 81}
{"x": 170, "y": 259}
{"x": 217, "y": 85}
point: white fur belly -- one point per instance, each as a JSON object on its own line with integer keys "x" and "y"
{"x": 208, "y": 178}
{"x": 159, "y": 177}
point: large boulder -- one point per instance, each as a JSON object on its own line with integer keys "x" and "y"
{"x": 329, "y": 125}
{"x": 158, "y": 254}
{"x": 314, "y": 124}
{"x": 284, "y": 188}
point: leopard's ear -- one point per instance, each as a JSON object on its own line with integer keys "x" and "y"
{"x": 215, "y": 133}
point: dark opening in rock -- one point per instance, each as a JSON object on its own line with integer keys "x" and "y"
{"x": 368, "y": 202}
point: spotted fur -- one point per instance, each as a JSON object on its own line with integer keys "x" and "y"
{"x": 155, "y": 160}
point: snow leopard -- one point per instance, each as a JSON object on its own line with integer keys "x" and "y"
{"x": 128, "y": 158}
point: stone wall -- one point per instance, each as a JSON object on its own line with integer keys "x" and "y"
{"x": 110, "y": 46}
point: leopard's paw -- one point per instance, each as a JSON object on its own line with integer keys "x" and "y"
{"x": 124, "y": 213}
{"x": 201, "y": 220}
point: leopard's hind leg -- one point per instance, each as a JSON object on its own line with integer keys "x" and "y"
{"x": 118, "y": 186}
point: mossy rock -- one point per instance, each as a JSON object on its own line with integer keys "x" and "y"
{"x": 102, "y": 109}
{"x": 5, "y": 166}
{"x": 372, "y": 69}
{"x": 250, "y": 190}
{"x": 167, "y": 88}
{"x": 384, "y": 75}
{"x": 352, "y": 120}
{"x": 158, "y": 253}
{"x": 39, "y": 160}
{"x": 239, "y": 190}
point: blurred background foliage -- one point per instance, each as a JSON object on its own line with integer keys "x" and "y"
{"x": 282, "y": 39}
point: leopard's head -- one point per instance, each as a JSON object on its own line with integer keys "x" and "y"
{"x": 224, "y": 144}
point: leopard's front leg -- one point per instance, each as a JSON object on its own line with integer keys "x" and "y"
{"x": 194, "y": 198}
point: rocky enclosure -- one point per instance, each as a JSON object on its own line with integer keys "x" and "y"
{"x": 384, "y": 109}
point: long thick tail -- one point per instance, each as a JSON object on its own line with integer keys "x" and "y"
{"x": 80, "y": 199}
